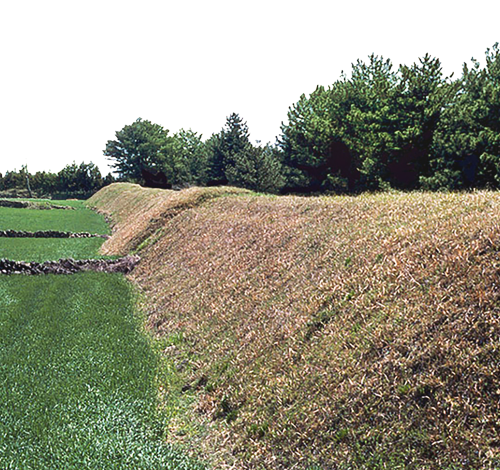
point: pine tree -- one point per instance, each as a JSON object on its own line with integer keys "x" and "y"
{"x": 258, "y": 169}
{"x": 232, "y": 140}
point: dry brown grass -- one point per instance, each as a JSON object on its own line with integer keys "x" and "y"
{"x": 137, "y": 213}
{"x": 342, "y": 332}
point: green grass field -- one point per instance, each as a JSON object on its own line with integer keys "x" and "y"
{"x": 78, "y": 375}
{"x": 43, "y": 249}
{"x": 79, "y": 220}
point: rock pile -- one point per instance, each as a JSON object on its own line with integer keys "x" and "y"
{"x": 48, "y": 234}
{"x": 69, "y": 266}
{"x": 15, "y": 204}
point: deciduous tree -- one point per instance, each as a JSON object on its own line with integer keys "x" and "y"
{"x": 137, "y": 146}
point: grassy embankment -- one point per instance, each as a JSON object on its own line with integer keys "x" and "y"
{"x": 330, "y": 332}
{"x": 78, "y": 376}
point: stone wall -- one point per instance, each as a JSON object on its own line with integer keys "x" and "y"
{"x": 69, "y": 266}
{"x": 32, "y": 205}
{"x": 48, "y": 234}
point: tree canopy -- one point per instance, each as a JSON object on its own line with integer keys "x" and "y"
{"x": 407, "y": 128}
{"x": 382, "y": 127}
{"x": 138, "y": 146}
{"x": 72, "y": 181}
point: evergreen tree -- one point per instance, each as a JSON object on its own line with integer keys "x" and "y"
{"x": 312, "y": 142}
{"x": 230, "y": 144}
{"x": 423, "y": 97}
{"x": 466, "y": 148}
{"x": 216, "y": 160}
{"x": 232, "y": 159}
{"x": 369, "y": 132}
{"x": 371, "y": 121}
{"x": 83, "y": 178}
{"x": 258, "y": 169}
{"x": 44, "y": 183}
{"x": 485, "y": 117}
{"x": 13, "y": 179}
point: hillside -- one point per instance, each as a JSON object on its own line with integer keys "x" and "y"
{"x": 328, "y": 332}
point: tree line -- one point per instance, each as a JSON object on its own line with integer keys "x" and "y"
{"x": 72, "y": 181}
{"x": 184, "y": 158}
{"x": 410, "y": 128}
{"x": 404, "y": 128}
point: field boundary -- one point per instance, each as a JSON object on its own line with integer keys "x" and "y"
{"x": 32, "y": 205}
{"x": 49, "y": 234}
{"x": 69, "y": 266}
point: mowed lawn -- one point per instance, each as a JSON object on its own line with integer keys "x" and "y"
{"x": 80, "y": 219}
{"x": 43, "y": 249}
{"x": 78, "y": 374}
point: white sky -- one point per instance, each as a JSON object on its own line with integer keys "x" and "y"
{"x": 74, "y": 72}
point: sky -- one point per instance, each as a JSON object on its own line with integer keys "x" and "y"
{"x": 72, "y": 73}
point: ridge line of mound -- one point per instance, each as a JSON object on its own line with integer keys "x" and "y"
{"x": 137, "y": 214}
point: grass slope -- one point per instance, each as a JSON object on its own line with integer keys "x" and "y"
{"x": 140, "y": 213}
{"x": 333, "y": 332}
